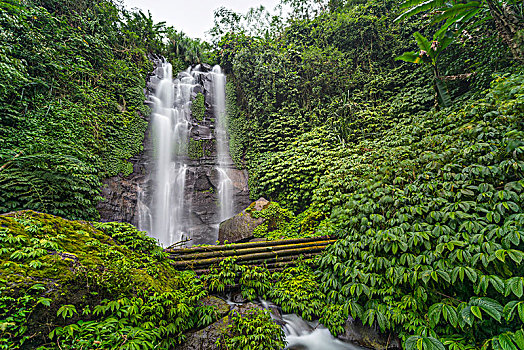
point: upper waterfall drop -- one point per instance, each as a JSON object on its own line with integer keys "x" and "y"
{"x": 225, "y": 186}
{"x": 189, "y": 182}
{"x": 164, "y": 217}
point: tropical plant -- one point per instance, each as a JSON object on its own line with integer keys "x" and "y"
{"x": 430, "y": 241}
{"x": 429, "y": 55}
{"x": 459, "y": 15}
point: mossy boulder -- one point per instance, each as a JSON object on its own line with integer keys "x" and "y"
{"x": 243, "y": 225}
{"x": 268, "y": 220}
{"x": 214, "y": 336}
{"x": 42, "y": 248}
{"x": 370, "y": 337}
{"x": 47, "y": 262}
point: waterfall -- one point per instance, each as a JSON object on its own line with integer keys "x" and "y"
{"x": 164, "y": 203}
{"x": 165, "y": 216}
{"x": 225, "y": 185}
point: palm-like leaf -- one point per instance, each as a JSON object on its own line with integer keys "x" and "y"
{"x": 418, "y": 6}
{"x": 410, "y": 56}
{"x": 456, "y": 11}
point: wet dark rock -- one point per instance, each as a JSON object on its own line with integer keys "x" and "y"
{"x": 356, "y": 332}
{"x": 120, "y": 193}
{"x": 238, "y": 298}
{"x": 241, "y": 226}
{"x": 205, "y": 339}
{"x": 197, "y": 89}
{"x": 219, "y": 304}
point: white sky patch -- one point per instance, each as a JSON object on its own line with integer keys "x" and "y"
{"x": 194, "y": 18}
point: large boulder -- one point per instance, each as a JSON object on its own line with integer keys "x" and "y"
{"x": 356, "y": 332}
{"x": 206, "y": 338}
{"x": 241, "y": 226}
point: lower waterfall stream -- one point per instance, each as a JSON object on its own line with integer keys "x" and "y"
{"x": 301, "y": 334}
{"x": 304, "y": 335}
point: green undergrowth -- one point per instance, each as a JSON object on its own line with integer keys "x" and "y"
{"x": 198, "y": 107}
{"x": 430, "y": 224}
{"x": 252, "y": 329}
{"x": 281, "y": 223}
{"x": 69, "y": 285}
{"x": 72, "y": 89}
{"x": 197, "y": 149}
{"x": 295, "y": 289}
{"x": 72, "y": 102}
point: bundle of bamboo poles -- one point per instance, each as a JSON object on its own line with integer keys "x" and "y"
{"x": 272, "y": 254}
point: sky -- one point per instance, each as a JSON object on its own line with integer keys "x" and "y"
{"x": 195, "y": 17}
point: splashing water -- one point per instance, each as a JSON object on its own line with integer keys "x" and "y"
{"x": 303, "y": 335}
{"x": 225, "y": 185}
{"x": 165, "y": 217}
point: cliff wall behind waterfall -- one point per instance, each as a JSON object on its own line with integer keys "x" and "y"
{"x": 121, "y": 193}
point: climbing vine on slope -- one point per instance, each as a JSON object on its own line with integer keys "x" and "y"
{"x": 431, "y": 241}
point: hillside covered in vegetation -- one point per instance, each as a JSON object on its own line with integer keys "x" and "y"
{"x": 396, "y": 127}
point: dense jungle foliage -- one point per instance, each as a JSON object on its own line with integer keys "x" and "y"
{"x": 72, "y": 111}
{"x": 419, "y": 168}
{"x": 395, "y": 126}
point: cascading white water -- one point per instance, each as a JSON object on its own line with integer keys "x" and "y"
{"x": 225, "y": 185}
{"x": 164, "y": 206}
{"x": 301, "y": 334}
{"x": 311, "y": 336}
{"x": 164, "y": 218}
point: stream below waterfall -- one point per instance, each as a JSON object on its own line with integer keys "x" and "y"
{"x": 301, "y": 334}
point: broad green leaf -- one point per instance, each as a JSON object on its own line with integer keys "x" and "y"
{"x": 488, "y": 305}
{"x": 423, "y": 43}
{"x": 475, "y": 310}
{"x": 519, "y": 338}
{"x": 411, "y": 57}
{"x": 506, "y": 343}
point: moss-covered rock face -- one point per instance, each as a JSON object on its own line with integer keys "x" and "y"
{"x": 198, "y": 107}
{"x": 48, "y": 263}
{"x": 42, "y": 248}
{"x": 200, "y": 148}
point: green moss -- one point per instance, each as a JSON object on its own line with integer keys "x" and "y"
{"x": 200, "y": 148}
{"x": 79, "y": 264}
{"x": 239, "y": 128}
{"x": 39, "y": 247}
{"x": 198, "y": 107}
{"x": 282, "y": 223}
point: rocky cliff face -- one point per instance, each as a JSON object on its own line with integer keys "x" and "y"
{"x": 121, "y": 194}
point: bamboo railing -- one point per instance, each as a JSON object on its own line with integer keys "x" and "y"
{"x": 272, "y": 254}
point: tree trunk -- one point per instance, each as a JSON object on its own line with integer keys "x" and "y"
{"x": 508, "y": 26}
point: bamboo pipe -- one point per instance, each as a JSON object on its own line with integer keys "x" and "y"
{"x": 249, "y": 257}
{"x": 285, "y": 259}
{"x": 271, "y": 262}
{"x": 238, "y": 252}
{"x": 231, "y": 246}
